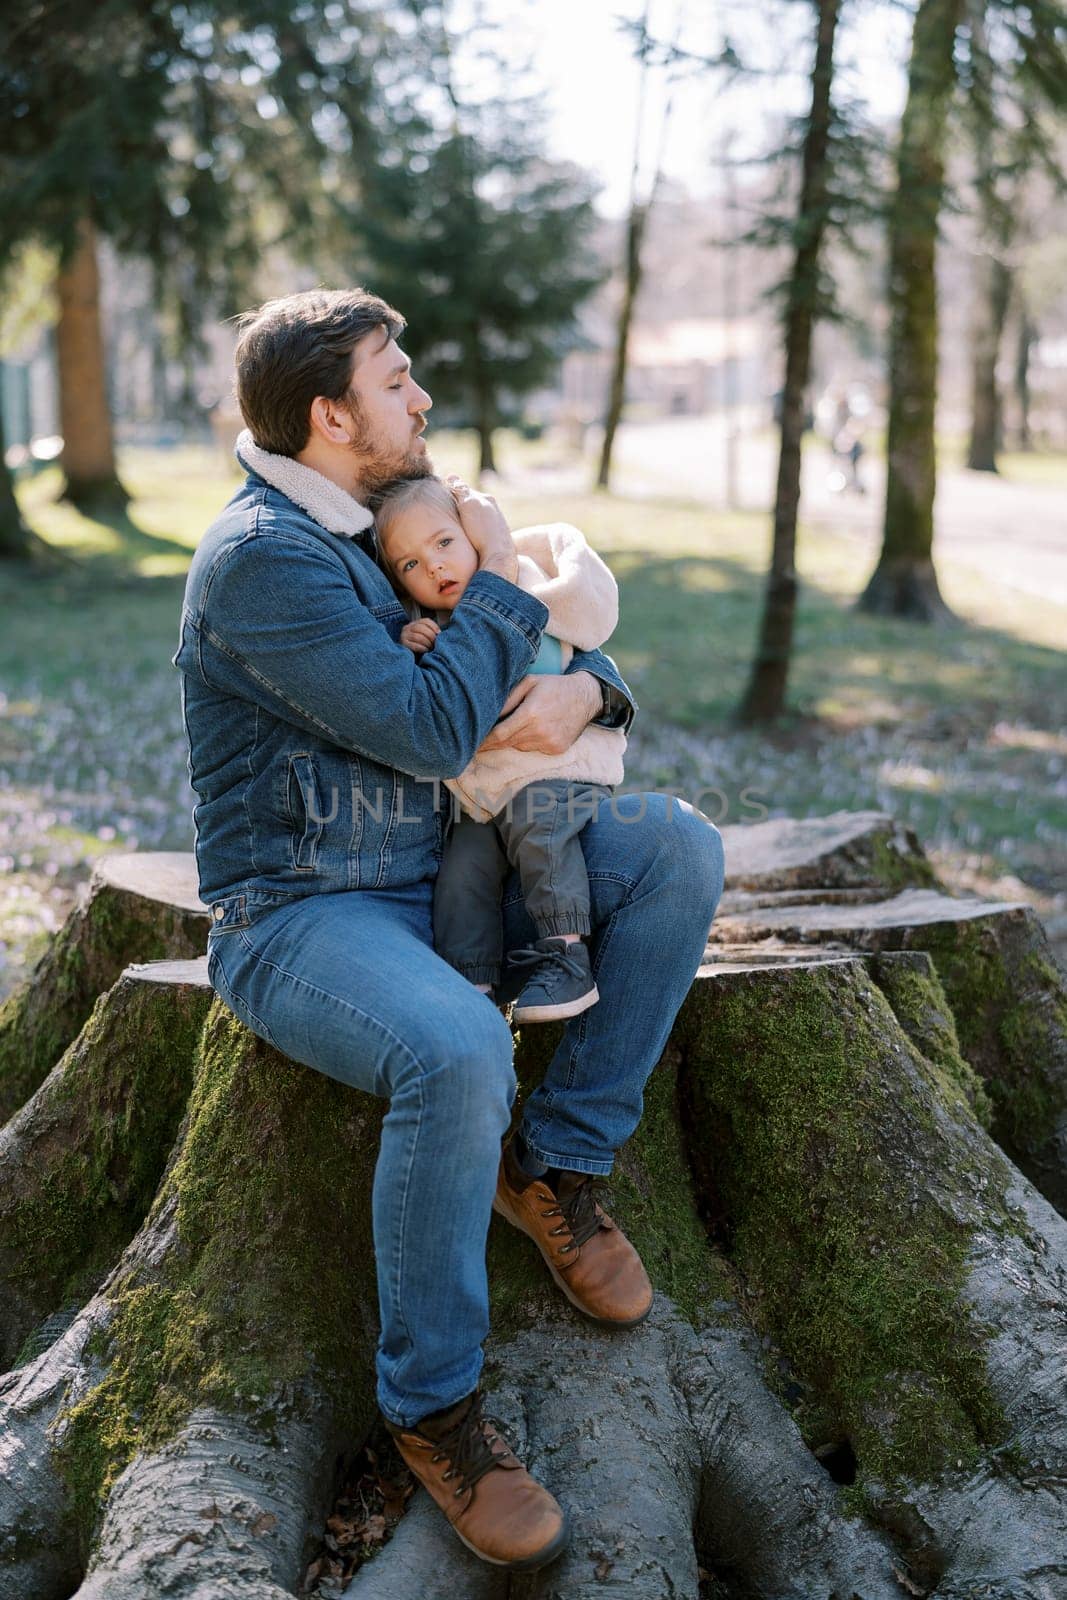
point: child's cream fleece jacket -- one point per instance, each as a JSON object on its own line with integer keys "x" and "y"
{"x": 558, "y": 566}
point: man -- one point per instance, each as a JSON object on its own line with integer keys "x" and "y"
{"x": 314, "y": 740}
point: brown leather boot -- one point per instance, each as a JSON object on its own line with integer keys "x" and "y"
{"x": 497, "y": 1509}
{"x": 590, "y": 1258}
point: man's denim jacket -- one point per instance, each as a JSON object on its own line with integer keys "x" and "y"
{"x": 315, "y": 737}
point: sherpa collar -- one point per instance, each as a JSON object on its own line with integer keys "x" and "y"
{"x": 327, "y": 503}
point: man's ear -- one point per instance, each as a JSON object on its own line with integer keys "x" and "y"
{"x": 330, "y": 420}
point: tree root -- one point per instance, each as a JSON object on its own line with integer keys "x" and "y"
{"x": 1003, "y": 987}
{"x": 881, "y": 1289}
{"x": 39, "y": 1552}
{"x": 140, "y": 907}
{"x": 81, "y": 1162}
{"x": 915, "y": 1284}
{"x": 221, "y": 1511}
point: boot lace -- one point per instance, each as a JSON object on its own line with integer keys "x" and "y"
{"x": 467, "y": 1447}
{"x": 578, "y": 1214}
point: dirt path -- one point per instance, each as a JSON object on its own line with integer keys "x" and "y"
{"x": 1014, "y": 532}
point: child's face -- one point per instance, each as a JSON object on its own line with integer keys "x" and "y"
{"x": 430, "y": 556}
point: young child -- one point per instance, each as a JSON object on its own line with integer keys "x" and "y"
{"x": 522, "y": 809}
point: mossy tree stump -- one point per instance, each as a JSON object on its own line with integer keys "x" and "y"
{"x": 138, "y": 907}
{"x": 851, "y": 1383}
{"x": 1002, "y": 985}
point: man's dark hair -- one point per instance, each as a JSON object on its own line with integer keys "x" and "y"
{"x": 294, "y": 349}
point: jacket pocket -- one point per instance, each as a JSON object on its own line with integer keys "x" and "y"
{"x": 305, "y": 812}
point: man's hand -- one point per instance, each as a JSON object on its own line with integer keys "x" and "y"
{"x": 486, "y": 527}
{"x": 419, "y": 635}
{"x": 545, "y": 713}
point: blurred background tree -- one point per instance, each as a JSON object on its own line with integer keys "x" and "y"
{"x": 997, "y": 53}
{"x": 187, "y": 135}
{"x": 483, "y": 242}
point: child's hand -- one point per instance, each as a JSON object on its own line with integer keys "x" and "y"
{"x": 420, "y": 635}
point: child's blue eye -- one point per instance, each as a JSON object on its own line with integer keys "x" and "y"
{"x": 408, "y": 566}
{"x": 446, "y": 540}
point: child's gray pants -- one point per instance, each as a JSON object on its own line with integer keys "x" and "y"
{"x": 537, "y": 833}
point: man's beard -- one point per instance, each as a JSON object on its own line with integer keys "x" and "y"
{"x": 384, "y": 466}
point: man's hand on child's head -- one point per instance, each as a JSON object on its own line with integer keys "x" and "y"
{"x": 419, "y": 635}
{"x": 545, "y": 713}
{"x": 486, "y": 527}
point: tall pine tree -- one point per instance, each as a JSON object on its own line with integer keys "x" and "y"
{"x": 481, "y": 241}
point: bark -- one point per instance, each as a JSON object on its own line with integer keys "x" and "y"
{"x": 486, "y": 455}
{"x": 993, "y": 293}
{"x": 76, "y": 1177}
{"x": 1025, "y": 338}
{"x": 635, "y": 238}
{"x": 904, "y": 582}
{"x": 137, "y": 907}
{"x": 485, "y": 413}
{"x": 231, "y": 1350}
{"x": 764, "y": 698}
{"x": 850, "y": 1384}
{"x": 16, "y": 541}
{"x": 863, "y": 851}
{"x": 88, "y": 457}
{"x": 1001, "y": 984}
{"x": 913, "y": 1283}
{"x": 633, "y": 272}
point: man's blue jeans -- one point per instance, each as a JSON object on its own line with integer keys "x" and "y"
{"x": 349, "y": 984}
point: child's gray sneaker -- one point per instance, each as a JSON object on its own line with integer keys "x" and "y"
{"x": 558, "y": 980}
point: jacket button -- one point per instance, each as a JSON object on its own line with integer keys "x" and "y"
{"x": 218, "y": 913}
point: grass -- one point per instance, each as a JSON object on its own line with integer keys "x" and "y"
{"x": 959, "y": 731}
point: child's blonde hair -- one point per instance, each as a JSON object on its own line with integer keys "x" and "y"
{"x": 392, "y": 501}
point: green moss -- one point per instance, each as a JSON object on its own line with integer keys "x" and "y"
{"x": 1011, "y": 1013}
{"x": 141, "y": 1402}
{"x": 107, "y": 1129}
{"x": 267, "y": 1284}
{"x": 822, "y": 1147}
{"x": 98, "y": 940}
{"x": 910, "y": 983}
{"x": 894, "y": 871}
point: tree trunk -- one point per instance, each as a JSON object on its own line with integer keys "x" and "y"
{"x": 636, "y": 226}
{"x": 850, "y": 1383}
{"x": 1025, "y": 338}
{"x": 904, "y": 582}
{"x": 764, "y": 698}
{"x": 88, "y": 457}
{"x": 998, "y": 214}
{"x": 485, "y": 414}
{"x": 142, "y": 906}
{"x": 16, "y": 541}
{"x": 635, "y": 235}
{"x": 486, "y": 457}
{"x": 993, "y": 293}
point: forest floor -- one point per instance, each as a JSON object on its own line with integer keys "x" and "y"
{"x": 960, "y": 732}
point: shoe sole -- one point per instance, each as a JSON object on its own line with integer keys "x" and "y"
{"x": 529, "y": 1563}
{"x": 564, "y": 1008}
{"x": 561, "y": 1283}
